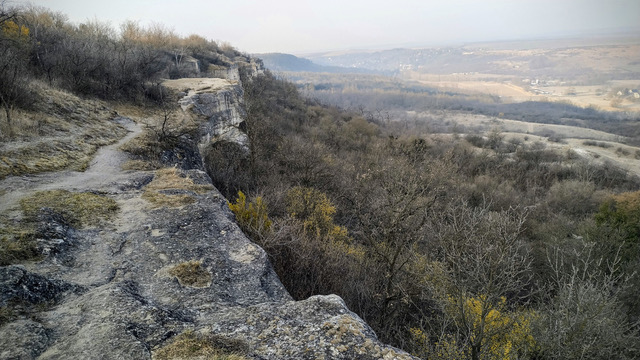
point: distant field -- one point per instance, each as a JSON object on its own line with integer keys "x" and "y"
{"x": 597, "y": 146}
{"x": 485, "y": 87}
{"x": 512, "y": 90}
{"x": 456, "y": 89}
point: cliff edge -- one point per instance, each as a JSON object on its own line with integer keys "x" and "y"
{"x": 154, "y": 266}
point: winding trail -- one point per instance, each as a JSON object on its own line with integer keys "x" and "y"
{"x": 103, "y": 172}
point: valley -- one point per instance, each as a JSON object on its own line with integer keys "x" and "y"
{"x": 466, "y": 89}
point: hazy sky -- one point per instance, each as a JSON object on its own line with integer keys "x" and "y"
{"x": 298, "y": 26}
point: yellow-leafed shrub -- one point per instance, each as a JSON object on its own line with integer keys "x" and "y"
{"x": 505, "y": 335}
{"x": 500, "y": 334}
{"x": 253, "y": 216}
{"x": 316, "y": 211}
{"x": 15, "y": 31}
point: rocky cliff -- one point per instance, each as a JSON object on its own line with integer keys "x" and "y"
{"x": 165, "y": 272}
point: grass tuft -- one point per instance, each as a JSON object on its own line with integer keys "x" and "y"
{"x": 61, "y": 133}
{"x": 139, "y": 165}
{"x": 191, "y": 273}
{"x": 171, "y": 179}
{"x": 79, "y": 209}
{"x": 190, "y": 345}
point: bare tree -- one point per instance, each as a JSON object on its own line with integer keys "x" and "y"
{"x": 585, "y": 319}
{"x": 14, "y": 45}
{"x": 481, "y": 263}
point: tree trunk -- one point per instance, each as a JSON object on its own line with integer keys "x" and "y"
{"x": 475, "y": 352}
{"x": 7, "y": 110}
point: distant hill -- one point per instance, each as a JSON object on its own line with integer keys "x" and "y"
{"x": 582, "y": 60}
{"x": 288, "y": 62}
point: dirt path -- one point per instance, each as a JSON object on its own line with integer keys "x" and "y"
{"x": 104, "y": 170}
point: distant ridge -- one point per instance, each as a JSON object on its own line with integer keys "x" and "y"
{"x": 288, "y": 62}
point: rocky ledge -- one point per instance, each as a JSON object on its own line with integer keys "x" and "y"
{"x": 171, "y": 261}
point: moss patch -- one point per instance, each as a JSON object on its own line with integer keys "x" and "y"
{"x": 79, "y": 209}
{"x": 170, "y": 179}
{"x": 190, "y": 345}
{"x": 191, "y": 273}
{"x": 17, "y": 245}
{"x": 7, "y": 315}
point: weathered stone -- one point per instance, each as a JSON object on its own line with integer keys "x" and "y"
{"x": 22, "y": 339}
{"x": 54, "y": 235}
{"x": 19, "y": 285}
{"x": 320, "y": 327}
{"x": 223, "y": 112}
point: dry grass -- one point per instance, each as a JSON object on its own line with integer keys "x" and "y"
{"x": 190, "y": 345}
{"x": 45, "y": 155}
{"x": 191, "y": 273}
{"x": 79, "y": 209}
{"x": 140, "y": 165}
{"x": 163, "y": 200}
{"x": 154, "y": 140}
{"x": 145, "y": 146}
{"x": 61, "y": 133}
{"x": 170, "y": 179}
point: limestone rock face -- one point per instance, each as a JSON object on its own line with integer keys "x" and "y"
{"x": 172, "y": 260}
{"x": 219, "y": 102}
{"x": 320, "y": 327}
{"x": 23, "y": 339}
{"x": 224, "y": 114}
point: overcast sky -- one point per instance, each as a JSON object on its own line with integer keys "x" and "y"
{"x": 299, "y": 26}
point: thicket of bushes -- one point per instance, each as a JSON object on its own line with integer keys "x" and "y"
{"x": 506, "y": 250}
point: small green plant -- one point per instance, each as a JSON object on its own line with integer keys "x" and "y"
{"x": 79, "y": 209}
{"x": 191, "y": 273}
{"x": 253, "y": 217}
{"x": 191, "y": 345}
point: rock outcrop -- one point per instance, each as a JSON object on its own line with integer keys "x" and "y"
{"x": 219, "y": 102}
{"x": 158, "y": 269}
